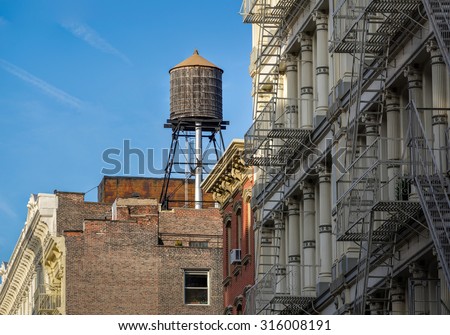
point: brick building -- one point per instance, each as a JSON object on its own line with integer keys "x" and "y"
{"x": 231, "y": 182}
{"x": 180, "y": 191}
{"x": 128, "y": 257}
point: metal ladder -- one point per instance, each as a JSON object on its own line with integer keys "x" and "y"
{"x": 269, "y": 17}
{"x": 433, "y": 189}
{"x": 369, "y": 73}
{"x": 268, "y": 59}
{"x": 438, "y": 13}
{"x": 365, "y": 32}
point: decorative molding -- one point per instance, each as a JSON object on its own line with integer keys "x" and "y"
{"x": 228, "y": 175}
{"x": 247, "y": 195}
{"x": 38, "y": 244}
{"x": 227, "y": 219}
{"x": 246, "y": 260}
{"x": 226, "y": 281}
{"x": 237, "y": 270}
{"x": 309, "y": 244}
{"x": 294, "y": 259}
{"x": 280, "y": 271}
{"x": 321, "y": 20}
{"x": 414, "y": 76}
{"x": 237, "y": 206}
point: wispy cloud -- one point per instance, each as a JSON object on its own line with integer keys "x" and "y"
{"x": 3, "y": 21}
{"x": 90, "y": 36}
{"x": 45, "y": 87}
{"x": 6, "y": 209}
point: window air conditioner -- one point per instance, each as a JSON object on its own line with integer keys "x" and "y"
{"x": 235, "y": 256}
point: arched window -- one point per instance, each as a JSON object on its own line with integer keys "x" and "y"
{"x": 237, "y": 208}
{"x": 239, "y": 310}
{"x": 248, "y": 225}
{"x": 238, "y": 301}
{"x": 228, "y": 246}
{"x": 228, "y": 310}
{"x": 239, "y": 228}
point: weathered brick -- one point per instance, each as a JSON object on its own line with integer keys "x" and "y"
{"x": 111, "y": 188}
{"x": 121, "y": 267}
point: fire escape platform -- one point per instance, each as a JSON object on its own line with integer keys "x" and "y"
{"x": 292, "y": 304}
{"x": 397, "y": 206}
{"x": 291, "y": 141}
{"x": 256, "y": 11}
{"x": 395, "y": 15}
{"x": 401, "y": 212}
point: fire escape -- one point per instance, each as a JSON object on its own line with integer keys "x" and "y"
{"x": 47, "y": 300}
{"x": 270, "y": 144}
{"x": 372, "y": 205}
{"x": 428, "y": 163}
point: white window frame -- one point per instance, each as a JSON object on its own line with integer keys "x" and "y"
{"x": 196, "y": 272}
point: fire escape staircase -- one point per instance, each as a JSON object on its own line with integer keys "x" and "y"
{"x": 366, "y": 33}
{"x": 433, "y": 189}
{"x": 438, "y": 13}
{"x": 269, "y": 145}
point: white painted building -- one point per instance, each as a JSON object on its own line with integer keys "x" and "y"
{"x": 33, "y": 280}
{"x": 349, "y": 144}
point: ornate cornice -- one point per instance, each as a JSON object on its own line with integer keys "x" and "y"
{"x": 32, "y": 249}
{"x": 228, "y": 175}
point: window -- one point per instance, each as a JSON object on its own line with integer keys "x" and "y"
{"x": 239, "y": 228}
{"x": 196, "y": 290}
{"x": 249, "y": 228}
{"x": 198, "y": 244}
{"x": 229, "y": 247}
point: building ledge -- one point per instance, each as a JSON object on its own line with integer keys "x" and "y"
{"x": 247, "y": 258}
{"x": 237, "y": 270}
{"x": 226, "y": 281}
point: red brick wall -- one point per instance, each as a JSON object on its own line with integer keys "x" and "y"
{"x": 243, "y": 274}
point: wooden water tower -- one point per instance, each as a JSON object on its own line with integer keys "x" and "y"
{"x": 195, "y": 116}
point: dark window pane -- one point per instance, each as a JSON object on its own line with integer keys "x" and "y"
{"x": 196, "y": 296}
{"x": 196, "y": 280}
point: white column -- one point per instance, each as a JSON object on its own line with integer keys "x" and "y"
{"x": 279, "y": 113}
{"x": 293, "y": 247}
{"x": 419, "y": 296}
{"x": 445, "y": 290}
{"x": 398, "y": 298}
{"x": 393, "y": 145}
{"x": 439, "y": 120}
{"x": 279, "y": 120}
{"x": 415, "y": 94}
{"x": 325, "y": 224}
{"x": 198, "y": 165}
{"x": 322, "y": 71}
{"x": 309, "y": 239}
{"x": 340, "y": 157}
{"x": 280, "y": 273}
{"x": 306, "y": 81}
{"x": 291, "y": 92}
{"x": 414, "y": 76}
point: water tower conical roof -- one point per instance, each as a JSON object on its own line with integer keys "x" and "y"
{"x": 195, "y": 60}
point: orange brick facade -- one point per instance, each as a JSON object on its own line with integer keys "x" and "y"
{"x": 111, "y": 188}
{"x": 238, "y": 277}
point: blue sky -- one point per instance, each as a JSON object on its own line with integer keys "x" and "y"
{"x": 79, "y": 77}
